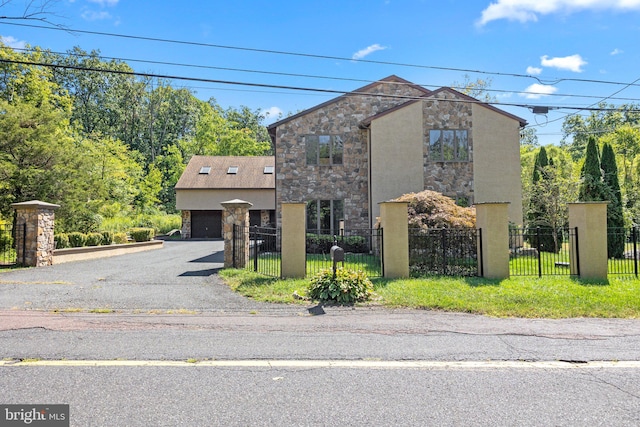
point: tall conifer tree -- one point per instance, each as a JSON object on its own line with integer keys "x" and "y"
{"x": 615, "y": 218}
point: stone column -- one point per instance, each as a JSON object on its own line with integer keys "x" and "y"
{"x": 590, "y": 218}
{"x": 185, "y": 232}
{"x": 236, "y": 212}
{"x": 35, "y": 247}
{"x": 493, "y": 221}
{"x": 394, "y": 221}
{"x": 294, "y": 242}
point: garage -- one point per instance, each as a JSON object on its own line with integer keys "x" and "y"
{"x": 206, "y": 224}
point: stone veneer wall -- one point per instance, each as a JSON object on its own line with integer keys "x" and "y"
{"x": 298, "y": 182}
{"x": 38, "y": 218}
{"x": 185, "y": 232}
{"x": 453, "y": 179}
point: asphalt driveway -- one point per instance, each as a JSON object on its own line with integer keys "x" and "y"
{"x": 180, "y": 276}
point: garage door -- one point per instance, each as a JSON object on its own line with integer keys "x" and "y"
{"x": 206, "y": 224}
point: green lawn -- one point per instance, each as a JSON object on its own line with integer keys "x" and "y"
{"x": 532, "y": 297}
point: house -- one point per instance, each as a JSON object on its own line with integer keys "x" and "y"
{"x": 345, "y": 156}
{"x": 208, "y": 181}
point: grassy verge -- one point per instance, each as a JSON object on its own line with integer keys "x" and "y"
{"x": 547, "y": 297}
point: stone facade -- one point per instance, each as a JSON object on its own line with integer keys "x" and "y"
{"x": 236, "y": 212}
{"x": 451, "y": 178}
{"x": 185, "y": 232}
{"x": 298, "y": 182}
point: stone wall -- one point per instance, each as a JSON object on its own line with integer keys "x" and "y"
{"x": 36, "y": 246}
{"x": 185, "y": 232}
{"x": 453, "y": 179}
{"x": 298, "y": 182}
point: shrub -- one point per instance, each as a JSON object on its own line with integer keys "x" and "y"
{"x": 348, "y": 286}
{"x": 94, "y": 239}
{"x": 142, "y": 234}
{"x": 6, "y": 241}
{"x": 62, "y": 241}
{"x": 107, "y": 237}
{"x": 120, "y": 238}
{"x": 322, "y": 243}
{"x": 77, "y": 239}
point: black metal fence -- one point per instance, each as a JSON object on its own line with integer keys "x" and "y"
{"x": 445, "y": 252}
{"x": 8, "y": 249}
{"x": 264, "y": 249}
{"x": 623, "y": 251}
{"x": 543, "y": 251}
{"x": 362, "y": 250}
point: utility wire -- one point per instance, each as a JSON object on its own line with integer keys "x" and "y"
{"x": 296, "y": 88}
{"x": 316, "y": 56}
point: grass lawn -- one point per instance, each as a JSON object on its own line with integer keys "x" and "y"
{"x": 532, "y": 297}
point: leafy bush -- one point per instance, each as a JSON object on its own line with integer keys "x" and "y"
{"x": 94, "y": 239}
{"x": 107, "y": 237}
{"x": 430, "y": 209}
{"x": 77, "y": 239}
{"x": 142, "y": 234}
{"x": 6, "y": 241}
{"x": 348, "y": 286}
{"x": 62, "y": 241}
{"x": 322, "y": 243}
{"x": 120, "y": 238}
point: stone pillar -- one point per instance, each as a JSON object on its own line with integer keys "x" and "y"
{"x": 394, "y": 221}
{"x": 294, "y": 243}
{"x": 236, "y": 212}
{"x": 493, "y": 221}
{"x": 590, "y": 218}
{"x": 185, "y": 232}
{"x": 36, "y": 249}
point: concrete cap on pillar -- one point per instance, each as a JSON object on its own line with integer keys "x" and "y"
{"x": 236, "y": 203}
{"x": 34, "y": 204}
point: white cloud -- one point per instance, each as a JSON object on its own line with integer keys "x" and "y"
{"x": 616, "y": 51}
{"x": 91, "y": 15}
{"x": 273, "y": 114}
{"x": 537, "y": 91}
{"x": 570, "y": 63}
{"x": 367, "y": 51}
{"x": 534, "y": 71}
{"x": 104, "y": 2}
{"x": 529, "y": 10}
{"x": 12, "y": 42}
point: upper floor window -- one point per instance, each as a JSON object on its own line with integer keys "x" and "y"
{"x": 324, "y": 149}
{"x": 449, "y": 145}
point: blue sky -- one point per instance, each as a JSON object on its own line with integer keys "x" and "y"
{"x": 531, "y": 50}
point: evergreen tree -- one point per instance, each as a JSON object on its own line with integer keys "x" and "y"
{"x": 541, "y": 214}
{"x": 615, "y": 218}
{"x": 592, "y": 188}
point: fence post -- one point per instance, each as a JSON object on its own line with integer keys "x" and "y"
{"x": 36, "y": 244}
{"x": 635, "y": 250}
{"x": 236, "y": 212}
{"x": 394, "y": 220}
{"x": 294, "y": 240}
{"x": 539, "y": 250}
{"x": 590, "y": 218}
{"x": 493, "y": 220}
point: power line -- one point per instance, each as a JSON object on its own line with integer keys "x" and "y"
{"x": 317, "y": 56}
{"x": 296, "y": 88}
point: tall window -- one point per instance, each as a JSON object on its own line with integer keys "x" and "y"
{"x": 325, "y": 216}
{"x": 324, "y": 149}
{"x": 449, "y": 145}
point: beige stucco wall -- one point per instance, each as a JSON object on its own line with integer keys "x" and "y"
{"x": 396, "y": 155}
{"x": 211, "y": 199}
{"x": 496, "y": 160}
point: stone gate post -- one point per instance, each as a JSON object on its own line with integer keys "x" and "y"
{"x": 394, "y": 221}
{"x": 36, "y": 245}
{"x": 590, "y": 218}
{"x": 236, "y": 212}
{"x": 492, "y": 221}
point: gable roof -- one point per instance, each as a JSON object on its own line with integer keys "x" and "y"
{"x": 250, "y": 174}
{"x": 365, "y": 89}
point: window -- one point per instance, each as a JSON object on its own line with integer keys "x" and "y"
{"x": 268, "y": 170}
{"x": 232, "y": 170}
{"x": 324, "y": 150}
{"x": 325, "y": 216}
{"x": 205, "y": 170}
{"x": 449, "y": 145}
